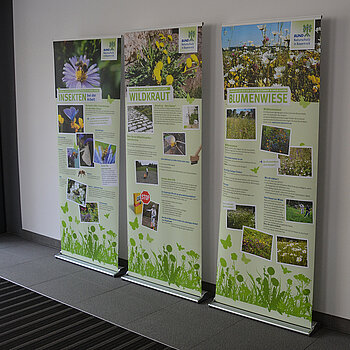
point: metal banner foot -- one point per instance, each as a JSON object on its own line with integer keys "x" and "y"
{"x": 265, "y": 319}
{"x": 164, "y": 289}
{"x": 90, "y": 266}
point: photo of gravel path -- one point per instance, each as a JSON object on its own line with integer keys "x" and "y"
{"x": 140, "y": 119}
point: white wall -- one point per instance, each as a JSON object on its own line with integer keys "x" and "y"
{"x": 38, "y": 22}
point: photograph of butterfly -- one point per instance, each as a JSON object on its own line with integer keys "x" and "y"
{"x": 70, "y": 119}
{"x": 85, "y": 143}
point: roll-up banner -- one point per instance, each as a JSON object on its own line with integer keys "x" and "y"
{"x": 163, "y": 113}
{"x": 268, "y": 210}
{"x": 87, "y": 87}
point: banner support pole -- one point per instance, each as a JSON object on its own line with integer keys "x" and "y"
{"x": 289, "y": 326}
{"x": 121, "y": 270}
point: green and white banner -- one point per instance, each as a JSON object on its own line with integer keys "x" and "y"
{"x": 267, "y": 224}
{"x": 87, "y": 85}
{"x": 163, "y": 111}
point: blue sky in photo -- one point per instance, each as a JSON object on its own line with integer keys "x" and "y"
{"x": 236, "y": 36}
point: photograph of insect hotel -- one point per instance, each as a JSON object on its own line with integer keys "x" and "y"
{"x": 146, "y": 172}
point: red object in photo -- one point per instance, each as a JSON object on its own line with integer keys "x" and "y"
{"x": 145, "y": 197}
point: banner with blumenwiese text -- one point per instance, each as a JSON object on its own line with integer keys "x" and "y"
{"x": 267, "y": 222}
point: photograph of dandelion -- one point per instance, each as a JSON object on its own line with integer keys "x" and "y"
{"x": 241, "y": 124}
{"x": 70, "y": 119}
{"x": 275, "y": 139}
{"x": 78, "y": 65}
{"x": 259, "y": 55}
{"x": 152, "y": 58}
{"x": 257, "y": 243}
{"x": 104, "y": 153}
{"x": 292, "y": 251}
{"x": 298, "y": 163}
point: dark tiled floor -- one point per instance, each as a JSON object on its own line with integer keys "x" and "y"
{"x": 171, "y": 320}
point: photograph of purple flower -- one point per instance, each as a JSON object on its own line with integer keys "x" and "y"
{"x": 78, "y": 65}
{"x": 105, "y": 153}
{"x": 79, "y": 74}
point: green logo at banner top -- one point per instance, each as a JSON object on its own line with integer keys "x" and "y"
{"x": 302, "y": 35}
{"x": 188, "y": 39}
{"x": 108, "y": 49}
{"x": 306, "y": 29}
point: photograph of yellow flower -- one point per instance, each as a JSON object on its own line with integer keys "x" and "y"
{"x": 152, "y": 58}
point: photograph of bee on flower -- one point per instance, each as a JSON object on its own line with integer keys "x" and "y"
{"x": 78, "y": 65}
{"x": 152, "y": 58}
{"x": 260, "y": 56}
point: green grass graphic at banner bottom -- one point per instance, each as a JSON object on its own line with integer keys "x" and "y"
{"x": 265, "y": 290}
{"x": 89, "y": 244}
{"x": 174, "y": 267}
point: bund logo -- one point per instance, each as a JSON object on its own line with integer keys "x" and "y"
{"x": 191, "y": 34}
{"x": 307, "y": 29}
{"x": 111, "y": 44}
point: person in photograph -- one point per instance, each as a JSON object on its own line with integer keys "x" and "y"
{"x": 153, "y": 211}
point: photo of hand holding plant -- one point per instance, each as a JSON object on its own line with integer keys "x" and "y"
{"x": 152, "y": 58}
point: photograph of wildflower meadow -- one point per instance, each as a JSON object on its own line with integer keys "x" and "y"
{"x": 241, "y": 124}
{"x": 299, "y": 211}
{"x": 243, "y": 215}
{"x": 257, "y": 243}
{"x": 275, "y": 139}
{"x": 78, "y": 65}
{"x": 89, "y": 213}
{"x": 292, "y": 251}
{"x": 298, "y": 163}
{"x": 260, "y": 56}
{"x": 152, "y": 58}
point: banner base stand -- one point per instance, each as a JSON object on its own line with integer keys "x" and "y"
{"x": 164, "y": 289}
{"x": 90, "y": 266}
{"x": 265, "y": 319}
